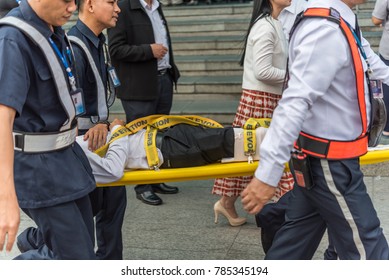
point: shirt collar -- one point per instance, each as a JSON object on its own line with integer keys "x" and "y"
{"x": 88, "y": 33}
{"x": 155, "y": 5}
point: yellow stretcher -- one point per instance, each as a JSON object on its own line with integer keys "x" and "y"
{"x": 217, "y": 170}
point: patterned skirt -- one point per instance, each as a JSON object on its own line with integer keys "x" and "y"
{"x": 252, "y": 104}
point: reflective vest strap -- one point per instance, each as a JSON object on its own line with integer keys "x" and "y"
{"x": 359, "y": 74}
{"x": 331, "y": 149}
{"x": 102, "y": 107}
{"x": 54, "y": 65}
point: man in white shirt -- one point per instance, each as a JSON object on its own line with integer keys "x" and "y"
{"x": 325, "y": 107}
{"x": 182, "y": 146}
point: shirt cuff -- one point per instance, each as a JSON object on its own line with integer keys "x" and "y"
{"x": 269, "y": 173}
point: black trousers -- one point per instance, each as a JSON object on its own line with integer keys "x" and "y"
{"x": 186, "y": 146}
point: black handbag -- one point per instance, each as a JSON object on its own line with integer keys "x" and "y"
{"x": 378, "y": 121}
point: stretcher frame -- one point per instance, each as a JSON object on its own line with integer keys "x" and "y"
{"x": 216, "y": 170}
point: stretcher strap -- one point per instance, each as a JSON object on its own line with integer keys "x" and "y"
{"x": 151, "y": 147}
{"x": 249, "y": 136}
{"x": 159, "y": 122}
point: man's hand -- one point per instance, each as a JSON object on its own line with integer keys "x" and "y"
{"x": 256, "y": 195}
{"x": 116, "y": 122}
{"x": 96, "y": 136}
{"x": 158, "y": 50}
{"x": 9, "y": 220}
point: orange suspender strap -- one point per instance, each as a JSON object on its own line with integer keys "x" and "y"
{"x": 332, "y": 149}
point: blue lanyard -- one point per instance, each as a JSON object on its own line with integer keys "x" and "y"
{"x": 72, "y": 80}
{"x": 359, "y": 44}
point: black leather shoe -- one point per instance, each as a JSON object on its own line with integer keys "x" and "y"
{"x": 149, "y": 197}
{"x": 164, "y": 189}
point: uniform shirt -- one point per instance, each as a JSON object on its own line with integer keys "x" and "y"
{"x": 84, "y": 71}
{"x": 160, "y": 32}
{"x": 41, "y": 180}
{"x": 321, "y": 97}
{"x": 381, "y": 11}
{"x": 265, "y": 57}
{"x": 124, "y": 153}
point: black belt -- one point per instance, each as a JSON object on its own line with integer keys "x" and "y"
{"x": 158, "y": 140}
{"x": 162, "y": 72}
{"x": 158, "y": 144}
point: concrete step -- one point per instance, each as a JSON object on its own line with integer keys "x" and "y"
{"x": 199, "y": 25}
{"x": 211, "y": 65}
{"x": 222, "y": 111}
{"x": 206, "y": 84}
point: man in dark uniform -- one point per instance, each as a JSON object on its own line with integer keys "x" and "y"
{"x": 141, "y": 51}
{"x": 42, "y": 170}
{"x": 109, "y": 204}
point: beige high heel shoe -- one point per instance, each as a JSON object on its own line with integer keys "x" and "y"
{"x": 234, "y": 222}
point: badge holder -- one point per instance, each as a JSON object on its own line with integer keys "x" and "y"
{"x": 78, "y": 101}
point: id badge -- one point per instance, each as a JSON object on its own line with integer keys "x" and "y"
{"x": 114, "y": 78}
{"x": 376, "y": 88}
{"x": 78, "y": 101}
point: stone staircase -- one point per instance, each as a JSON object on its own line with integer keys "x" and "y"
{"x": 207, "y": 42}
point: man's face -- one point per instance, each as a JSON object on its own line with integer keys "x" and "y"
{"x": 106, "y": 12}
{"x": 54, "y": 12}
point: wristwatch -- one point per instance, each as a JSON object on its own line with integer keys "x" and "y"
{"x": 107, "y": 123}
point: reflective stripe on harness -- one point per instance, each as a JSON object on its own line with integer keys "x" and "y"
{"x": 43, "y": 142}
{"x": 333, "y": 149}
{"x": 49, "y": 141}
{"x": 54, "y": 65}
{"x": 102, "y": 107}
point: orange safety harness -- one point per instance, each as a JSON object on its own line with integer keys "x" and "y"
{"x": 334, "y": 149}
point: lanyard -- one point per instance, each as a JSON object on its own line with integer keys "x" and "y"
{"x": 360, "y": 47}
{"x": 72, "y": 80}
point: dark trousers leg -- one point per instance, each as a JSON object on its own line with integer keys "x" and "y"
{"x": 339, "y": 201}
{"x": 109, "y": 222}
{"x": 301, "y": 233}
{"x": 67, "y": 230}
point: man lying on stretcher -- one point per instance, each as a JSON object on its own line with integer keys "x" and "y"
{"x": 181, "y": 145}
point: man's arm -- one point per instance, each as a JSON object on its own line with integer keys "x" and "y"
{"x": 9, "y": 207}
{"x": 96, "y": 135}
{"x": 120, "y": 46}
{"x": 109, "y": 168}
{"x": 376, "y": 21}
{"x": 380, "y": 12}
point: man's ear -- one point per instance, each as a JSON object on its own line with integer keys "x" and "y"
{"x": 89, "y": 4}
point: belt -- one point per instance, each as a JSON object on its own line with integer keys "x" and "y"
{"x": 331, "y": 149}
{"x": 162, "y": 72}
{"x": 158, "y": 140}
{"x": 43, "y": 142}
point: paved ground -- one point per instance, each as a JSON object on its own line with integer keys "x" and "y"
{"x": 183, "y": 227}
